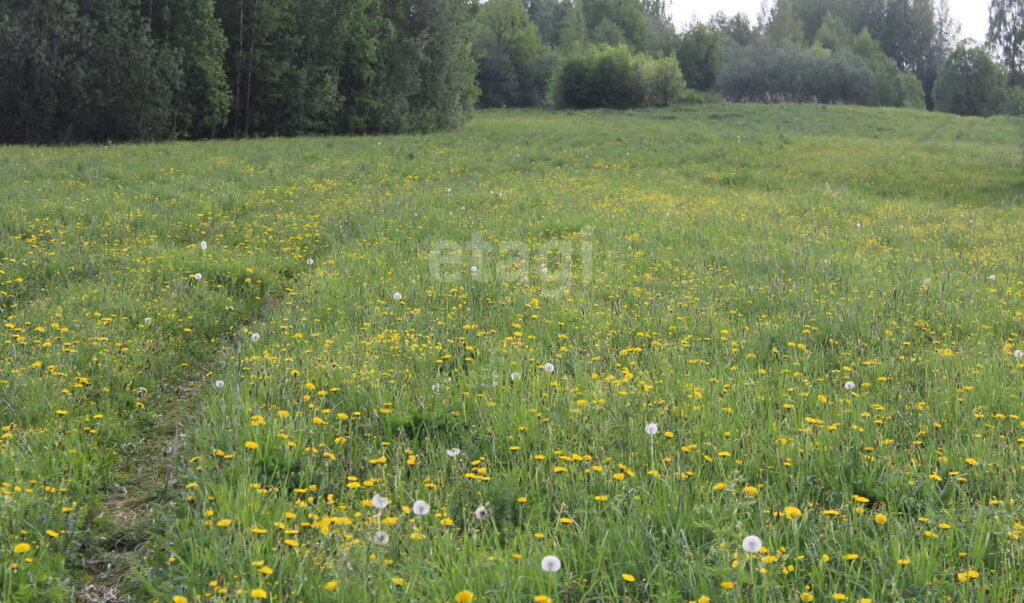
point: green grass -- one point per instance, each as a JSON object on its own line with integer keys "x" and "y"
{"x": 720, "y": 270}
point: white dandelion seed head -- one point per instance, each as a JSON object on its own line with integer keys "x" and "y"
{"x": 420, "y": 507}
{"x": 481, "y": 512}
{"x": 543, "y": 269}
{"x": 254, "y": 337}
{"x": 381, "y": 538}
{"x": 1018, "y": 354}
{"x": 380, "y": 502}
{"x": 309, "y": 261}
{"x": 202, "y": 245}
{"x": 752, "y": 544}
{"x": 849, "y": 386}
{"x": 140, "y": 391}
{"x": 454, "y": 452}
{"x": 549, "y": 368}
{"x": 991, "y": 277}
{"x": 397, "y": 296}
{"x": 219, "y": 383}
{"x": 473, "y": 269}
{"x": 551, "y": 564}
{"x": 515, "y": 376}
{"x": 651, "y": 429}
{"x": 858, "y": 224}
{"x": 435, "y": 387}
{"x": 198, "y": 276}
{"x": 147, "y": 321}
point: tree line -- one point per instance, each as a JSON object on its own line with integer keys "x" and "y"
{"x": 94, "y": 70}
{"x": 903, "y": 53}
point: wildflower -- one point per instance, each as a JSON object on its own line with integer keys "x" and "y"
{"x": 332, "y": 585}
{"x": 651, "y": 429}
{"x": 420, "y": 508}
{"x": 202, "y": 245}
{"x": 551, "y": 564}
{"x": 806, "y": 597}
{"x": 381, "y": 538}
{"x": 752, "y": 544}
{"x": 629, "y": 577}
{"x": 454, "y": 452}
{"x": 179, "y": 599}
{"x": 219, "y": 383}
{"x": 147, "y": 321}
{"x": 849, "y": 386}
{"x": 543, "y": 599}
{"x": 480, "y": 513}
{"x": 515, "y": 376}
{"x": 397, "y": 296}
{"x": 1018, "y": 354}
{"x": 254, "y": 337}
{"x": 309, "y": 261}
{"x": 880, "y": 519}
{"x": 727, "y": 585}
{"x": 380, "y": 502}
{"x": 792, "y": 512}
{"x": 251, "y": 445}
{"x": 464, "y": 596}
{"x": 198, "y": 276}
{"x": 549, "y": 368}
{"x": 21, "y": 548}
{"x": 258, "y": 593}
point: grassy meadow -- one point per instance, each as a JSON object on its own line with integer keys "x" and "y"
{"x": 230, "y": 369}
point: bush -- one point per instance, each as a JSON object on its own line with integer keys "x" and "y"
{"x": 785, "y": 72}
{"x": 970, "y": 83}
{"x": 614, "y": 77}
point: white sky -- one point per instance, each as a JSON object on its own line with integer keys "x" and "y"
{"x": 972, "y": 14}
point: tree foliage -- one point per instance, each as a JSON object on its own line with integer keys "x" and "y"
{"x": 970, "y": 83}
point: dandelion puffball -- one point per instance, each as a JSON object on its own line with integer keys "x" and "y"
{"x": 198, "y": 276}
{"x": 1018, "y": 354}
{"x": 381, "y": 538}
{"x": 420, "y": 507}
{"x": 254, "y": 337}
{"x": 147, "y": 321}
{"x": 454, "y": 452}
{"x": 651, "y": 429}
{"x": 380, "y": 502}
{"x": 309, "y": 261}
{"x": 202, "y": 245}
{"x": 752, "y": 544}
{"x": 397, "y": 296}
{"x": 480, "y": 512}
{"x": 219, "y": 383}
{"x": 551, "y": 564}
{"x": 549, "y": 368}
{"x": 515, "y": 376}
{"x": 849, "y": 386}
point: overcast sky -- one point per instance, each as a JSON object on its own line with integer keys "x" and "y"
{"x": 972, "y": 14}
